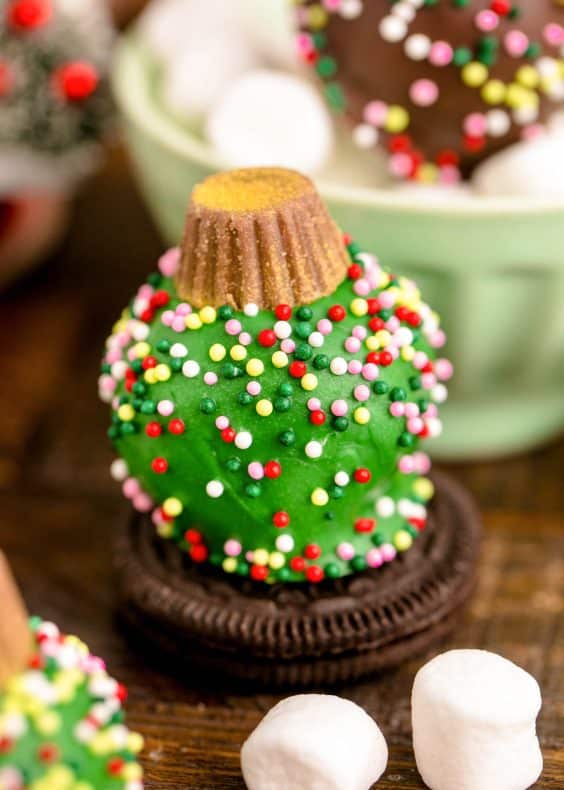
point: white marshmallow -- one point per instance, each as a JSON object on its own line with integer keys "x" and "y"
{"x": 314, "y": 742}
{"x": 533, "y": 169}
{"x": 271, "y": 118}
{"x": 271, "y": 28}
{"x": 473, "y": 716}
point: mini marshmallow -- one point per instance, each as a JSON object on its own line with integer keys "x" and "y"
{"x": 473, "y": 716}
{"x": 271, "y": 118}
{"x": 533, "y": 168}
{"x": 314, "y": 742}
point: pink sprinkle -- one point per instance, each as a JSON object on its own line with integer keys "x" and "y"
{"x": 422, "y": 463}
{"x": 360, "y": 332}
{"x": 131, "y": 487}
{"x": 406, "y": 465}
{"x": 245, "y": 339}
{"x": 441, "y": 54}
{"x": 288, "y": 346}
{"x": 178, "y": 323}
{"x": 475, "y": 124}
{"x": 397, "y": 408}
{"x": 400, "y": 165}
{"x": 107, "y": 383}
{"x": 388, "y": 552}
{"x": 145, "y": 292}
{"x": 432, "y": 410}
{"x": 394, "y": 351}
{"x": 361, "y": 393}
{"x": 411, "y": 410}
{"x": 345, "y": 551}
{"x": 142, "y": 502}
{"x": 486, "y": 21}
{"x": 516, "y": 43}
{"x": 168, "y": 263}
{"x": 304, "y": 44}
{"x": 339, "y": 408}
{"x": 314, "y": 404}
{"x": 424, "y": 92}
{"x": 554, "y": 34}
{"x": 370, "y": 371}
{"x": 325, "y": 326}
{"x": 222, "y": 422}
{"x": 362, "y": 287}
{"x": 532, "y": 132}
{"x": 374, "y": 558}
{"x": 393, "y": 324}
{"x": 232, "y": 548}
{"x": 183, "y": 309}
{"x": 352, "y": 345}
{"x": 113, "y": 355}
{"x": 332, "y": 5}
{"x": 255, "y": 470}
{"x": 437, "y": 339}
{"x": 415, "y": 425}
{"x": 233, "y": 326}
{"x": 420, "y": 359}
{"x": 254, "y": 388}
{"x": 449, "y": 174}
{"x": 167, "y": 317}
{"x": 165, "y": 407}
{"x": 131, "y": 354}
{"x": 443, "y": 369}
{"x": 354, "y": 367}
{"x": 210, "y": 378}
{"x": 376, "y": 113}
{"x": 387, "y": 299}
{"x": 428, "y": 381}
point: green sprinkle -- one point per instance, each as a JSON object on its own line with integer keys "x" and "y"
{"x": 415, "y": 382}
{"x": 358, "y": 563}
{"x": 303, "y": 330}
{"x": 286, "y": 389}
{"x": 398, "y": 393}
{"x": 233, "y": 464}
{"x": 406, "y": 439}
{"x": 155, "y": 279}
{"x": 176, "y": 364}
{"x": 303, "y": 352}
{"x": 148, "y": 407}
{"x": 380, "y": 387}
{"x": 242, "y": 568}
{"x": 336, "y": 492}
{"x": 253, "y": 490}
{"x": 139, "y": 388}
{"x": 137, "y": 366}
{"x": 340, "y": 424}
{"x": 326, "y": 67}
{"x": 163, "y": 346}
{"x": 208, "y": 405}
{"x": 284, "y": 574}
{"x": 244, "y": 398}
{"x": 332, "y": 570}
{"x": 287, "y": 438}
{"x": 335, "y": 96}
{"x": 321, "y": 361}
{"x": 462, "y": 56}
{"x": 225, "y": 312}
{"x": 282, "y": 404}
{"x": 128, "y": 428}
{"x": 304, "y": 314}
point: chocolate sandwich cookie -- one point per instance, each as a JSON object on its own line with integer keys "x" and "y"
{"x": 304, "y": 634}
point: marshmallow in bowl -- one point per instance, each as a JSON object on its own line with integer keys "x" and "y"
{"x": 314, "y": 742}
{"x": 271, "y": 118}
{"x": 533, "y": 168}
{"x": 473, "y": 716}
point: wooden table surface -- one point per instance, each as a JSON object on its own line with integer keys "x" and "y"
{"x": 59, "y": 509}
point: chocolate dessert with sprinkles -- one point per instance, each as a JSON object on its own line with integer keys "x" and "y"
{"x": 270, "y": 387}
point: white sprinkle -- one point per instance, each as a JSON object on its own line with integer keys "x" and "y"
{"x": 285, "y": 543}
{"x": 365, "y": 135}
{"x": 190, "y": 369}
{"x": 338, "y": 366}
{"x": 214, "y": 489}
{"x": 314, "y": 449}
{"x": 243, "y": 440}
{"x": 342, "y": 479}
{"x": 417, "y": 47}
{"x": 282, "y": 329}
{"x": 385, "y": 507}
{"x": 119, "y": 469}
{"x": 392, "y": 28}
{"x": 251, "y": 309}
{"x": 178, "y": 350}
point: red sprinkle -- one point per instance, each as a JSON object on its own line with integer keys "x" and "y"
{"x": 297, "y": 369}
{"x": 362, "y": 475}
{"x": 228, "y": 434}
{"x": 364, "y": 525}
{"x": 77, "y": 81}
{"x": 272, "y": 469}
{"x": 317, "y": 417}
{"x": 355, "y": 271}
{"x": 376, "y": 323}
{"x": 199, "y": 552}
{"x": 337, "y": 312}
{"x": 115, "y": 766}
{"x": 281, "y": 519}
{"x": 259, "y": 572}
{"x": 314, "y": 574}
{"x": 267, "y": 338}
{"x": 297, "y": 564}
{"x": 153, "y": 429}
{"x": 30, "y": 14}
{"x": 283, "y": 312}
{"x": 159, "y": 299}
{"x": 176, "y": 426}
{"x": 193, "y": 536}
{"x": 159, "y": 465}
{"x": 149, "y": 362}
{"x": 386, "y": 358}
{"x": 312, "y": 551}
{"x": 374, "y": 306}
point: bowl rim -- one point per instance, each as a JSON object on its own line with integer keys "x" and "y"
{"x": 134, "y": 99}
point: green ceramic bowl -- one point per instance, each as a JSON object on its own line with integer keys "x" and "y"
{"x": 493, "y": 268}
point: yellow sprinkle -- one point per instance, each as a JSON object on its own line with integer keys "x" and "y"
{"x": 229, "y": 565}
{"x": 49, "y": 722}
{"x": 402, "y": 540}
{"x": 217, "y": 352}
{"x": 309, "y": 382}
{"x": 279, "y": 359}
{"x": 427, "y": 173}
{"x": 101, "y": 743}
{"x": 407, "y": 353}
{"x": 319, "y": 497}
{"x": 141, "y": 350}
{"x": 383, "y": 337}
{"x": 423, "y": 488}
{"x": 172, "y": 507}
{"x": 359, "y": 307}
{"x": 193, "y": 321}
{"x": 384, "y": 279}
{"x": 162, "y": 372}
{"x": 528, "y": 76}
{"x": 238, "y": 353}
{"x": 207, "y": 315}
{"x": 397, "y": 119}
{"x": 255, "y": 367}
{"x": 474, "y": 74}
{"x": 517, "y": 97}
{"x": 372, "y": 343}
{"x": 493, "y": 92}
{"x": 264, "y": 408}
{"x": 361, "y": 415}
{"x": 261, "y": 557}
{"x": 131, "y": 772}
{"x": 126, "y": 412}
{"x": 277, "y": 560}
{"x": 317, "y": 17}
{"x": 150, "y": 376}
{"x": 165, "y": 529}
{"x": 83, "y": 786}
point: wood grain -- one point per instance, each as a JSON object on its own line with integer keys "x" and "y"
{"x": 59, "y": 511}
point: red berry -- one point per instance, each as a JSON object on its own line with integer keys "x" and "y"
{"x": 149, "y": 362}
{"x": 281, "y": 519}
{"x": 355, "y": 271}
{"x": 314, "y": 574}
{"x": 115, "y": 766}
{"x": 362, "y": 475}
{"x": 259, "y": 572}
{"x": 193, "y": 536}
{"x": 297, "y": 369}
{"x": 337, "y": 312}
{"x": 199, "y": 553}
{"x": 312, "y": 551}
{"x": 386, "y": 358}
{"x": 267, "y": 338}
{"x": 228, "y": 434}
{"x": 297, "y": 564}
{"x": 283, "y": 312}
{"x": 374, "y": 306}
{"x": 160, "y": 299}
{"x": 121, "y": 692}
{"x": 153, "y": 429}
{"x": 77, "y": 81}
{"x": 364, "y": 525}
{"x": 317, "y": 417}
{"x": 376, "y": 324}
{"x": 272, "y": 469}
{"x": 176, "y": 426}
{"x": 159, "y": 465}
{"x": 30, "y": 14}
